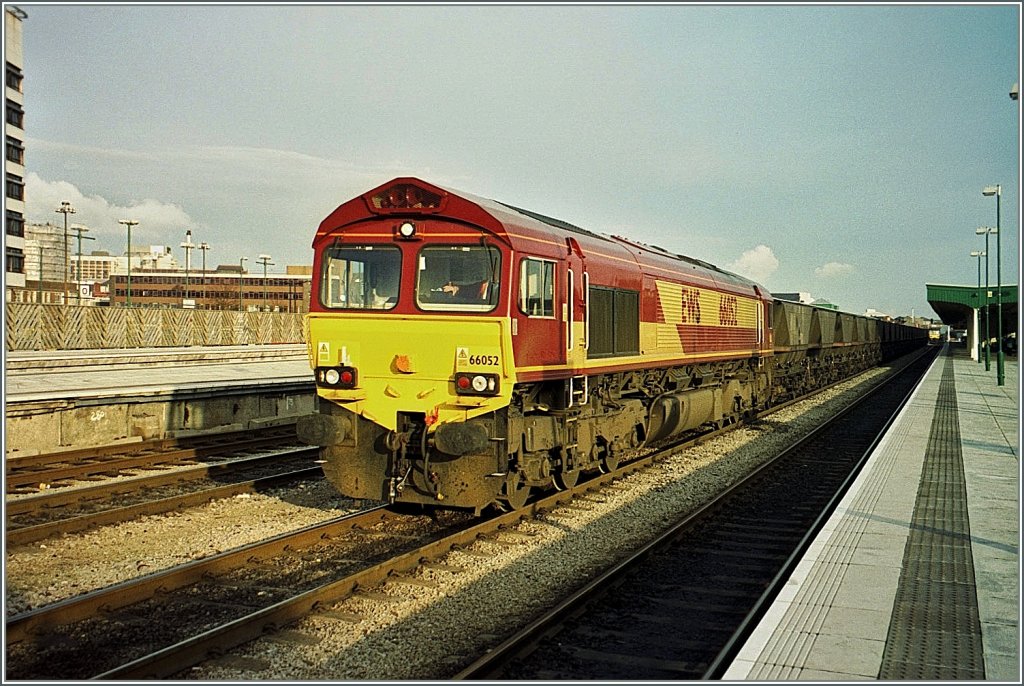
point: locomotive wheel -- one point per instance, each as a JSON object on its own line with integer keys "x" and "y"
{"x": 609, "y": 461}
{"x": 565, "y": 480}
{"x": 569, "y": 472}
{"x": 514, "y": 494}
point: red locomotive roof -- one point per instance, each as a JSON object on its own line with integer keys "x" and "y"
{"x": 530, "y": 233}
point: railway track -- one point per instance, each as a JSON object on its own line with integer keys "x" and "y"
{"x": 54, "y": 512}
{"x": 680, "y": 607}
{"x": 33, "y": 473}
{"x": 210, "y": 606}
{"x": 210, "y": 603}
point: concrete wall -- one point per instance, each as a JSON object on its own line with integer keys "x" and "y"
{"x": 46, "y": 426}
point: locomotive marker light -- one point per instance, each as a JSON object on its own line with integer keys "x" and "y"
{"x": 338, "y": 377}
{"x": 1001, "y": 357}
{"x": 471, "y": 383}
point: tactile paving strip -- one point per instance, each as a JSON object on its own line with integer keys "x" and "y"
{"x": 935, "y": 633}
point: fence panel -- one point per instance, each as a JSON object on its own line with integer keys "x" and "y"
{"x": 52, "y": 327}
{"x": 34, "y": 326}
{"x": 24, "y": 331}
{"x": 75, "y": 334}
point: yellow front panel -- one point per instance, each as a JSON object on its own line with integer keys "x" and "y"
{"x": 406, "y": 364}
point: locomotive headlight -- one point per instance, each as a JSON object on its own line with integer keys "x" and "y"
{"x": 480, "y": 383}
{"x": 332, "y": 376}
{"x": 407, "y": 230}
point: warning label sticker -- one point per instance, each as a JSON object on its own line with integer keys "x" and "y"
{"x": 323, "y": 352}
{"x": 461, "y": 358}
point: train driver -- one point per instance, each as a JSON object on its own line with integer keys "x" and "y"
{"x": 475, "y": 291}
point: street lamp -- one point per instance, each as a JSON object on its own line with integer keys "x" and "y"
{"x": 65, "y": 209}
{"x": 204, "y": 246}
{"x": 241, "y": 270}
{"x": 264, "y": 260}
{"x": 79, "y": 230}
{"x": 986, "y": 230}
{"x": 997, "y": 191}
{"x": 129, "y": 223}
{"x": 977, "y": 324}
{"x": 188, "y": 245}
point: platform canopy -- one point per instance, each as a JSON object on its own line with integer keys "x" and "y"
{"x": 955, "y": 305}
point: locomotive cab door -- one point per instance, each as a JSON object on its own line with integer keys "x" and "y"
{"x": 539, "y": 338}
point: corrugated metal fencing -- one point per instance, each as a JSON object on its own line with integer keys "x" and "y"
{"x": 32, "y": 326}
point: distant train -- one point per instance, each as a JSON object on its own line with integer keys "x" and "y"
{"x": 467, "y": 352}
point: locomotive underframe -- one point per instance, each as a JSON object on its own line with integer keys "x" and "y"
{"x": 551, "y": 433}
{"x": 554, "y": 431}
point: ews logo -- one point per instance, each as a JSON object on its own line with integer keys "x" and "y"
{"x": 727, "y": 311}
{"x": 691, "y": 305}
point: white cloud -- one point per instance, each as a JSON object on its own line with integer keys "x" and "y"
{"x": 98, "y": 214}
{"x": 831, "y": 270}
{"x": 757, "y": 263}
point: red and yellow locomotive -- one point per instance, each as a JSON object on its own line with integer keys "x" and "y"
{"x": 466, "y": 351}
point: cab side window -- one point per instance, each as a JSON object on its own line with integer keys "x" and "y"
{"x": 537, "y": 288}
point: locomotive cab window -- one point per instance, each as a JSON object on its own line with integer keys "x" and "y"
{"x": 458, "y": 278}
{"x": 361, "y": 277}
{"x": 537, "y": 288}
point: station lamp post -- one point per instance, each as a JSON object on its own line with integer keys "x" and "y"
{"x": 997, "y": 191}
{"x": 129, "y": 223}
{"x": 977, "y": 325}
{"x": 241, "y": 271}
{"x": 65, "y": 209}
{"x": 204, "y": 246}
{"x": 79, "y": 230}
{"x": 188, "y": 245}
{"x": 986, "y": 231}
{"x": 264, "y": 260}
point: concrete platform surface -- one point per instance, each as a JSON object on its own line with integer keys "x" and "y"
{"x": 30, "y": 361}
{"x": 105, "y": 374}
{"x": 842, "y": 615}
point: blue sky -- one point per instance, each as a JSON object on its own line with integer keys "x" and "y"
{"x": 839, "y": 150}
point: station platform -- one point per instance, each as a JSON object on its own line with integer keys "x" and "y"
{"x": 59, "y": 400}
{"x": 916, "y": 576}
{"x": 29, "y": 361}
{"x": 83, "y": 375}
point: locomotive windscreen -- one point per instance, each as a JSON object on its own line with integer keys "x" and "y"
{"x": 361, "y": 277}
{"x": 458, "y": 277}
